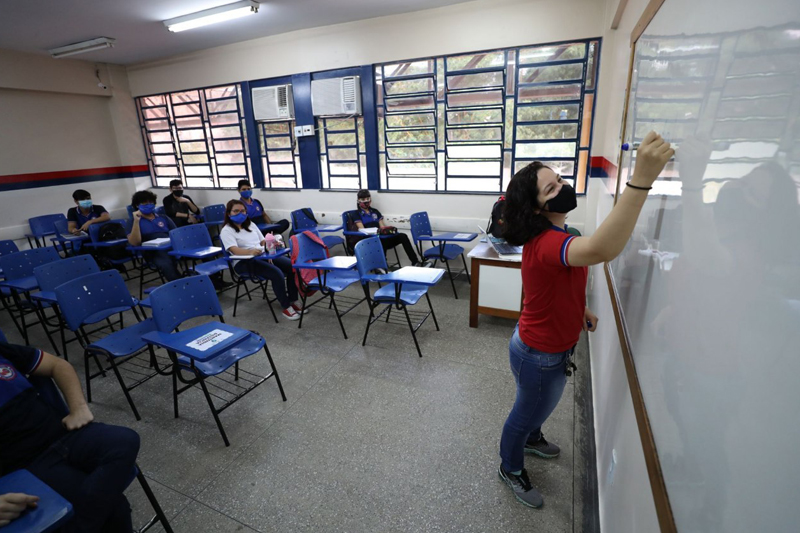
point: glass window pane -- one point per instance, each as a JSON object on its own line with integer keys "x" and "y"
{"x": 469, "y": 81}
{"x": 343, "y": 154}
{"x": 480, "y": 116}
{"x": 184, "y": 110}
{"x": 548, "y": 93}
{"x": 283, "y": 183}
{"x": 473, "y": 185}
{"x": 160, "y": 137}
{"x": 195, "y": 159}
{"x": 228, "y": 183}
{"x": 203, "y": 170}
{"x": 591, "y": 66}
{"x": 559, "y": 52}
{"x": 552, "y": 73}
{"x": 221, "y": 92}
{"x": 473, "y": 168}
{"x": 280, "y": 156}
{"x": 336, "y": 124}
{"x": 534, "y": 150}
{"x": 586, "y": 125}
{"x": 474, "y": 151}
{"x": 167, "y": 171}
{"x": 232, "y": 170}
{"x": 189, "y": 122}
{"x": 233, "y": 157}
{"x": 156, "y": 125}
{"x": 222, "y": 105}
{"x": 222, "y": 133}
{"x": 409, "y": 68}
{"x": 338, "y": 182}
{"x": 419, "y": 85}
{"x": 279, "y": 142}
{"x": 411, "y": 184}
{"x": 547, "y": 131}
{"x": 410, "y": 120}
{"x": 164, "y": 160}
{"x": 281, "y": 170}
{"x": 231, "y": 144}
{"x": 163, "y": 148}
{"x": 193, "y": 147}
{"x": 158, "y": 99}
{"x": 225, "y": 118}
{"x": 474, "y": 134}
{"x": 341, "y": 139}
{"x": 156, "y": 112}
{"x": 548, "y": 112}
{"x": 191, "y": 135}
{"x": 411, "y": 152}
{"x": 275, "y": 128}
{"x": 349, "y": 169}
{"x": 481, "y": 98}
{"x": 410, "y": 136}
{"x": 411, "y": 169}
{"x": 183, "y": 97}
{"x": 411, "y": 103}
{"x": 479, "y": 60}
{"x": 562, "y": 168}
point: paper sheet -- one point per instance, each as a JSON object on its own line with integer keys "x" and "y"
{"x": 462, "y": 235}
{"x": 210, "y": 339}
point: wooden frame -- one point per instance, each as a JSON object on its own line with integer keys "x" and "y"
{"x": 474, "y": 309}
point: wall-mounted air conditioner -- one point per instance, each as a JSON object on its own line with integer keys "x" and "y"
{"x": 336, "y": 96}
{"x": 273, "y": 103}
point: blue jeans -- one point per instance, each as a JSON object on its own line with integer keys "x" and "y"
{"x": 540, "y": 381}
{"x": 91, "y": 468}
{"x": 165, "y": 263}
{"x": 278, "y": 272}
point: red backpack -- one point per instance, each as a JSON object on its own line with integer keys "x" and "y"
{"x": 496, "y": 219}
{"x": 306, "y": 274}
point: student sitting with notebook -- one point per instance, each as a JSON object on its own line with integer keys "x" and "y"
{"x": 147, "y": 226}
{"x": 85, "y": 213}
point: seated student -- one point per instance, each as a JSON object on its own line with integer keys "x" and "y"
{"x": 85, "y": 213}
{"x": 255, "y": 209}
{"x": 180, "y": 207}
{"x": 372, "y": 218}
{"x": 148, "y": 226}
{"x": 241, "y": 237}
{"x": 88, "y": 463}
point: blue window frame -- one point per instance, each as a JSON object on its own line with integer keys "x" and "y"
{"x": 280, "y": 158}
{"x": 197, "y": 136}
{"x": 342, "y": 149}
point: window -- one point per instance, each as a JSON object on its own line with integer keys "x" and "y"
{"x": 467, "y": 122}
{"x": 343, "y": 158}
{"x": 197, "y": 136}
{"x": 280, "y": 157}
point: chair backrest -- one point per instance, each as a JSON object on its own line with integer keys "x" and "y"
{"x": 94, "y": 229}
{"x": 21, "y": 264}
{"x": 214, "y": 213}
{"x": 308, "y": 250}
{"x": 178, "y": 301}
{"x": 61, "y": 227}
{"x": 420, "y": 225}
{"x": 188, "y": 237}
{"x": 43, "y": 225}
{"x": 82, "y": 297}
{"x": 51, "y": 275}
{"x": 8, "y": 247}
{"x": 301, "y": 220}
{"x": 130, "y": 211}
{"x": 369, "y": 256}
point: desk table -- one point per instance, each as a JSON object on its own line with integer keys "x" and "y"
{"x": 496, "y": 284}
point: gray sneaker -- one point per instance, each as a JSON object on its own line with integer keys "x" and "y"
{"x": 521, "y": 487}
{"x": 542, "y": 448}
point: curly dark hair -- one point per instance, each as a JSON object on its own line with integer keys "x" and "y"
{"x": 141, "y": 197}
{"x": 229, "y": 222}
{"x": 521, "y": 222}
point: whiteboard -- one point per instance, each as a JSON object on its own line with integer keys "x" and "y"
{"x": 709, "y": 283}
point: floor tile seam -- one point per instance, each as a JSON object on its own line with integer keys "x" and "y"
{"x": 226, "y": 515}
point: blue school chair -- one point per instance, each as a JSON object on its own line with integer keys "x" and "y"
{"x": 303, "y": 219}
{"x": 352, "y": 235}
{"x": 241, "y": 279}
{"x": 94, "y": 298}
{"x": 98, "y": 245}
{"x": 7, "y": 247}
{"x": 51, "y": 512}
{"x": 51, "y": 275}
{"x": 421, "y": 225}
{"x": 65, "y": 239}
{"x": 187, "y": 298}
{"x": 191, "y": 244}
{"x": 397, "y": 294}
{"x": 41, "y": 227}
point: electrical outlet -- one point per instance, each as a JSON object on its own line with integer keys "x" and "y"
{"x": 308, "y": 130}
{"x": 298, "y": 131}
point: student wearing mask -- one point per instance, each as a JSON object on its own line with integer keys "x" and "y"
{"x": 240, "y": 236}
{"x": 369, "y": 217}
{"x": 85, "y": 213}
{"x": 148, "y": 226}
{"x": 554, "y": 312}
{"x": 255, "y": 209}
{"x": 180, "y": 207}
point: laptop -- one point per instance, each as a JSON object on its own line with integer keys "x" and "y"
{"x": 500, "y": 246}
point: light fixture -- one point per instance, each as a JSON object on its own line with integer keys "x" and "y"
{"x": 212, "y": 16}
{"x": 82, "y": 47}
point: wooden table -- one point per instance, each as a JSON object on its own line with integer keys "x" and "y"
{"x": 496, "y": 284}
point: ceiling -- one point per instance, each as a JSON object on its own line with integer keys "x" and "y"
{"x": 38, "y": 25}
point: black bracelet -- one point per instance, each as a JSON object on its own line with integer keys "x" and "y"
{"x": 638, "y": 188}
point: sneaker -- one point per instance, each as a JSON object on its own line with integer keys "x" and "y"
{"x": 424, "y": 264}
{"x": 521, "y": 487}
{"x": 381, "y": 271}
{"x": 542, "y": 448}
{"x": 298, "y": 309}
{"x": 290, "y": 314}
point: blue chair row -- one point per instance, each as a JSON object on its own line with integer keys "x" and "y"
{"x": 421, "y": 226}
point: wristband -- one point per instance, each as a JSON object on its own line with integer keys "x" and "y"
{"x": 638, "y": 188}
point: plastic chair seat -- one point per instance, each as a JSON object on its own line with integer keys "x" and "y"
{"x": 51, "y": 512}
{"x": 211, "y": 267}
{"x": 451, "y": 251}
{"x": 45, "y": 297}
{"x": 220, "y": 363}
{"x": 336, "y": 280}
{"x": 145, "y": 303}
{"x": 332, "y": 240}
{"x": 126, "y": 341}
{"x": 410, "y": 293}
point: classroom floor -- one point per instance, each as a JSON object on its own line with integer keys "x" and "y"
{"x": 371, "y": 439}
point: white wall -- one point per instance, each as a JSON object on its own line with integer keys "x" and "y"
{"x": 626, "y": 501}
{"x": 54, "y": 117}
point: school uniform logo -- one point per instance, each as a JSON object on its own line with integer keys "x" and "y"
{"x": 7, "y": 372}
{"x": 160, "y": 223}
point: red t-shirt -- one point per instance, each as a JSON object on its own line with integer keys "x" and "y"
{"x": 555, "y": 293}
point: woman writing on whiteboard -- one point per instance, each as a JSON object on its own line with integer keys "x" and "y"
{"x": 554, "y": 312}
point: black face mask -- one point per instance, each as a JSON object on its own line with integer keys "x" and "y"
{"x": 178, "y": 193}
{"x": 564, "y": 202}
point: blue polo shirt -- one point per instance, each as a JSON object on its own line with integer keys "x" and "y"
{"x": 28, "y": 426}
{"x": 254, "y": 209}
{"x": 158, "y": 228}
{"x": 371, "y": 218}
{"x": 75, "y": 214}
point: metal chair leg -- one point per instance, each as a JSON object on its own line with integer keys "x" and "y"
{"x": 464, "y": 260}
{"x": 336, "y": 310}
{"x": 124, "y": 388}
{"x": 432, "y": 313}
{"x": 275, "y": 371}
{"x": 413, "y": 333}
{"x": 151, "y": 497}
{"x": 450, "y": 275}
{"x": 214, "y": 412}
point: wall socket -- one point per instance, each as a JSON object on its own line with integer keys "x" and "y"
{"x": 304, "y": 131}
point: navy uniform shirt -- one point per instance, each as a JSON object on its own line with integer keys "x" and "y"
{"x": 255, "y": 211}
{"x": 371, "y": 218}
{"x": 28, "y": 425}
{"x": 158, "y": 228}
{"x": 76, "y": 215}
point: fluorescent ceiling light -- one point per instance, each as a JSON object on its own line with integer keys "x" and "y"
{"x": 212, "y": 16}
{"x": 82, "y": 47}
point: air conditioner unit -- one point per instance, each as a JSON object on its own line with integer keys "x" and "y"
{"x": 336, "y": 96}
{"x": 273, "y": 103}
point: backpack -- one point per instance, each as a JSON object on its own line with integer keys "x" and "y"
{"x": 496, "y": 219}
{"x": 112, "y": 231}
{"x": 306, "y": 274}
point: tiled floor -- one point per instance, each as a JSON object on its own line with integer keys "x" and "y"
{"x": 371, "y": 439}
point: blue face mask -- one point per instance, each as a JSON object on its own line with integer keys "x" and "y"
{"x": 247, "y": 194}
{"x": 239, "y": 218}
{"x": 85, "y": 204}
{"x": 147, "y": 209}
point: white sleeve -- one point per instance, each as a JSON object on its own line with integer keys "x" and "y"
{"x": 228, "y": 237}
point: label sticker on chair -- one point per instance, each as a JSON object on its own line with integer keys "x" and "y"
{"x": 462, "y": 236}
{"x": 210, "y": 339}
